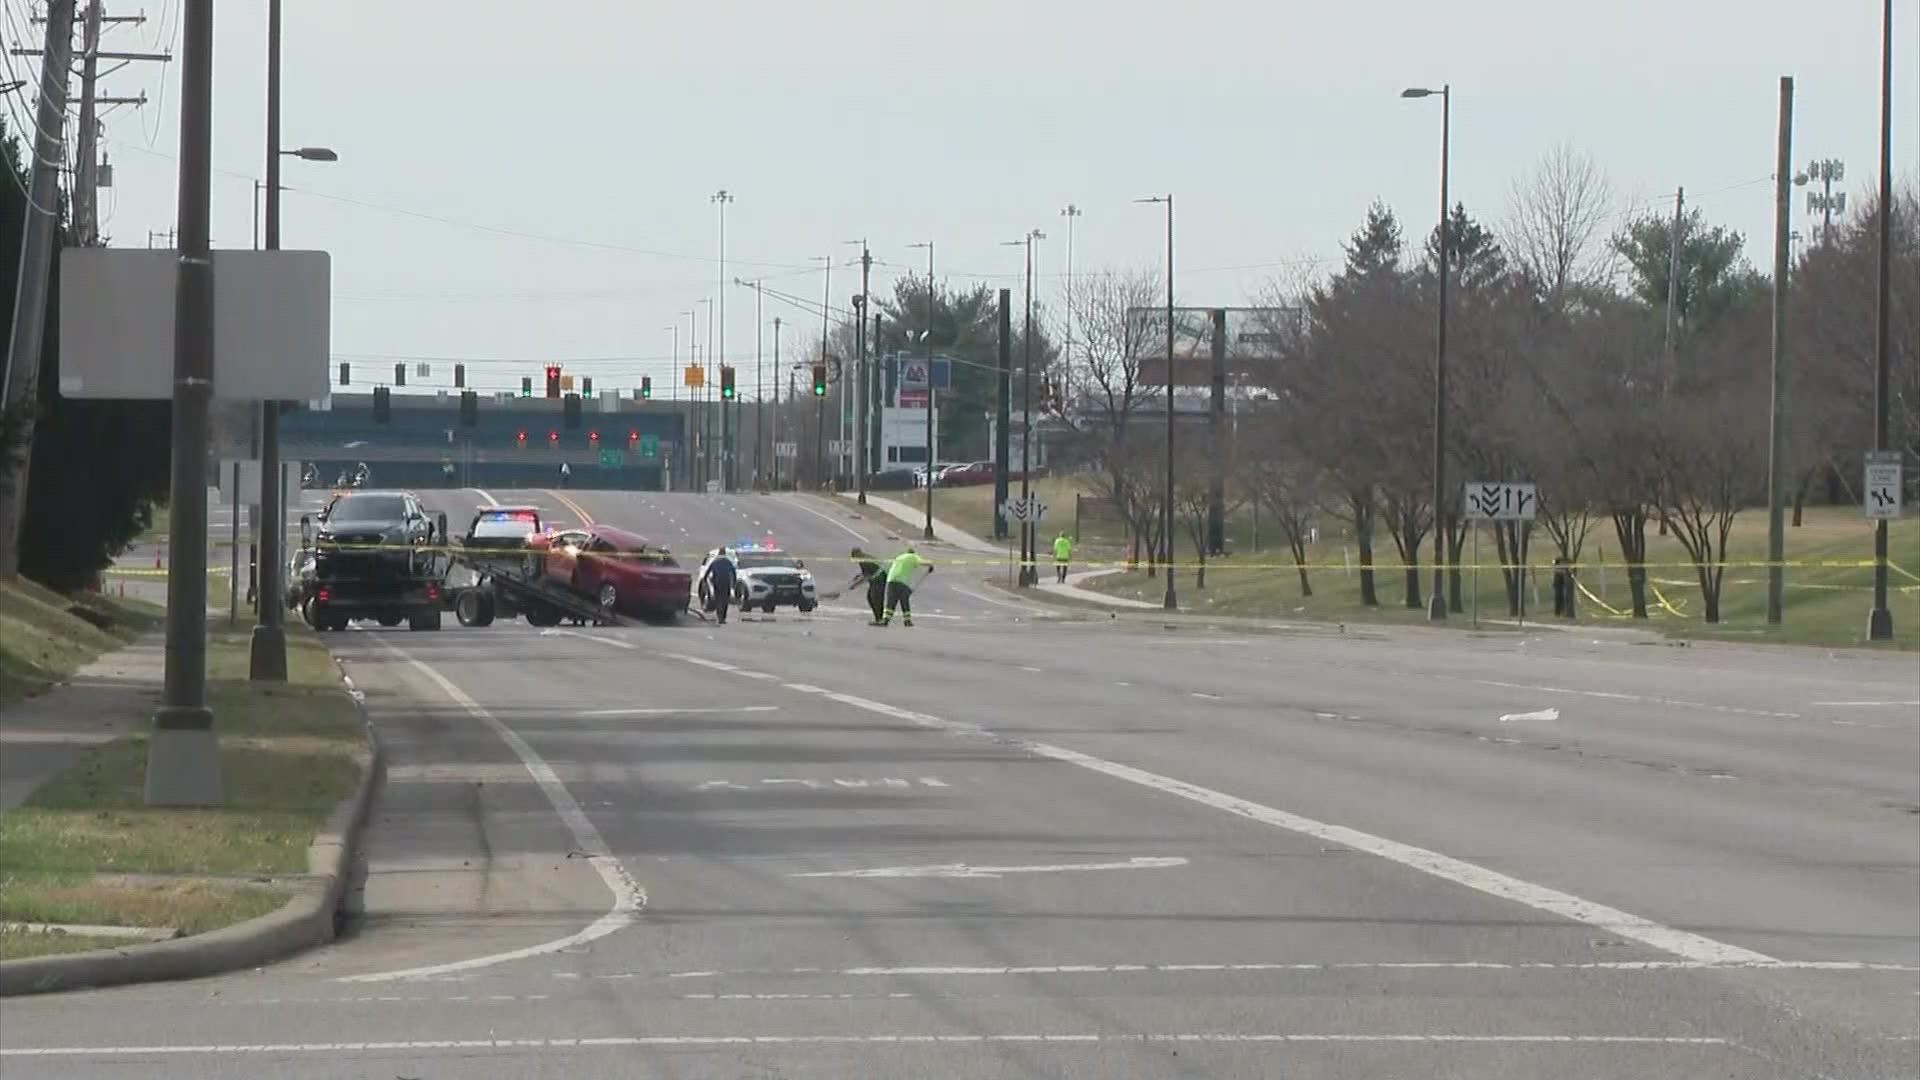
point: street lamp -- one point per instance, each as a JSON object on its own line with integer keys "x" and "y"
{"x": 927, "y": 336}
{"x": 267, "y": 650}
{"x": 1880, "y": 616}
{"x": 1169, "y": 602}
{"x": 1437, "y": 604}
{"x": 1029, "y": 575}
{"x": 721, "y": 198}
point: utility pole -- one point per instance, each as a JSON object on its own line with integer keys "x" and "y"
{"x": 1880, "y": 619}
{"x": 1003, "y": 420}
{"x": 861, "y": 393}
{"x": 820, "y": 403}
{"x": 1673, "y": 288}
{"x": 1776, "y": 419}
{"x": 927, "y": 338}
{"x": 774, "y": 434}
{"x": 1070, "y": 213}
{"x": 721, "y": 199}
{"x": 86, "y": 180}
{"x": 20, "y": 386}
{"x": 183, "y": 755}
{"x": 759, "y": 388}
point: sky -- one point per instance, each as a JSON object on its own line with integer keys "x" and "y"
{"x": 523, "y": 183}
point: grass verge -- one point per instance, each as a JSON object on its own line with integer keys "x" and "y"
{"x": 288, "y": 756}
{"x": 46, "y": 637}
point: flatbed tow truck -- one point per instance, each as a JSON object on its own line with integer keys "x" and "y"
{"x": 495, "y": 580}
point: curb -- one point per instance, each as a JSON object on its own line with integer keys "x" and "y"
{"x": 304, "y": 921}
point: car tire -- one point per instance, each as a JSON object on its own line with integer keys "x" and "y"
{"x": 770, "y": 607}
{"x": 806, "y": 607}
{"x": 389, "y": 620}
{"x": 541, "y": 616}
{"x": 474, "y": 607}
{"x": 608, "y": 595}
{"x": 429, "y": 621}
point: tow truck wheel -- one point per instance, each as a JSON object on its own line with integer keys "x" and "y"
{"x": 474, "y": 607}
{"x": 388, "y": 620}
{"x": 542, "y": 616}
{"x": 429, "y": 621}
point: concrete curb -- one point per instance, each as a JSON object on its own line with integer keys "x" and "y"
{"x": 307, "y": 919}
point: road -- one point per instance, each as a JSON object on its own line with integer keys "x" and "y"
{"x": 1008, "y": 844}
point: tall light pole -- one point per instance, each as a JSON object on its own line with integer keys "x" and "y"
{"x": 759, "y": 387}
{"x": 820, "y": 403}
{"x": 1029, "y": 574}
{"x": 1880, "y": 619}
{"x": 860, "y": 458}
{"x": 721, "y": 199}
{"x": 1437, "y": 603}
{"x": 927, "y": 337}
{"x": 267, "y": 651}
{"x": 705, "y": 360}
{"x": 1167, "y": 546}
{"x": 1070, "y": 212}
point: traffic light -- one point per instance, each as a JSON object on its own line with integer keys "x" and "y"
{"x": 526, "y": 386}
{"x": 399, "y": 374}
{"x": 586, "y": 386}
{"x": 593, "y": 439}
{"x": 646, "y": 387}
{"x": 553, "y": 439}
{"x": 726, "y": 383}
{"x": 633, "y": 439}
{"x": 382, "y": 407}
{"x": 459, "y": 376}
{"x": 553, "y": 380}
{"x": 572, "y": 408}
{"x": 520, "y": 440}
{"x": 819, "y": 380}
{"x": 469, "y": 409}
{"x": 345, "y": 369}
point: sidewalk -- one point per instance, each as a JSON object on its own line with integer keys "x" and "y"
{"x": 1072, "y": 590}
{"x": 41, "y": 736}
{"x": 942, "y": 532}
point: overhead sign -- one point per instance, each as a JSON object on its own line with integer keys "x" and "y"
{"x": 272, "y": 320}
{"x": 694, "y": 375}
{"x": 1493, "y": 501}
{"x": 649, "y": 446}
{"x": 1882, "y": 499}
{"x": 612, "y": 459}
{"x": 1028, "y": 509}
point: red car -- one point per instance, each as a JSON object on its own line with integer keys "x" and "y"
{"x": 622, "y": 571}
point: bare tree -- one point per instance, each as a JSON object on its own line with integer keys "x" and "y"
{"x": 1557, "y": 222}
{"x": 1107, "y": 370}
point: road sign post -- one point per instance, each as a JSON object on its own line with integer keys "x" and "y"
{"x": 1882, "y": 498}
{"x": 1498, "y": 501}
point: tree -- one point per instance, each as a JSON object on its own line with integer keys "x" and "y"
{"x": 1554, "y": 226}
{"x": 1279, "y": 478}
{"x": 1109, "y": 373}
{"x": 1714, "y": 276}
{"x": 96, "y": 466}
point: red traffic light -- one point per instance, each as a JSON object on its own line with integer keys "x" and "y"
{"x": 521, "y": 438}
{"x": 553, "y": 436}
{"x": 633, "y": 437}
{"x": 593, "y": 436}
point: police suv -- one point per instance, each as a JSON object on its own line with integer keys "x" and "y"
{"x": 768, "y": 578}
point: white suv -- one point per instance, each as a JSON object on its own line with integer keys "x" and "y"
{"x": 767, "y": 579}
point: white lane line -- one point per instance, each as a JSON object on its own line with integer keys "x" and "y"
{"x": 963, "y": 870}
{"x": 1667, "y": 939}
{"x": 1204, "y": 696}
{"x": 1866, "y": 704}
{"x": 628, "y": 897}
{"x": 1675, "y": 702}
{"x": 994, "y": 600}
{"x": 491, "y": 501}
{"x": 1542, "y": 714}
{"x": 836, "y": 522}
{"x": 971, "y": 970}
{"x": 1681, "y": 943}
{"x": 1077, "y": 1039}
{"x": 681, "y": 712}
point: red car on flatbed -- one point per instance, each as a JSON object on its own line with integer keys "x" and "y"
{"x": 622, "y": 571}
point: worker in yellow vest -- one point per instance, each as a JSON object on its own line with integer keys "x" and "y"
{"x": 1062, "y": 554}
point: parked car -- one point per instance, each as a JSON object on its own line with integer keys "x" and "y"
{"x": 973, "y": 472}
{"x": 622, "y": 571}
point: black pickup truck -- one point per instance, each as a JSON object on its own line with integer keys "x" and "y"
{"x": 373, "y": 557}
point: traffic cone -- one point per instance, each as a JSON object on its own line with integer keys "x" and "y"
{"x": 159, "y": 557}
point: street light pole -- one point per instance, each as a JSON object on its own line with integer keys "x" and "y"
{"x": 721, "y": 199}
{"x": 927, "y": 337}
{"x": 1437, "y": 603}
{"x": 759, "y": 389}
{"x": 1029, "y": 574}
{"x": 861, "y": 459}
{"x": 1880, "y": 619}
{"x": 1070, "y": 212}
{"x": 1169, "y": 602}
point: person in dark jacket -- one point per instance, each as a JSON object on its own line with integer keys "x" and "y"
{"x": 875, "y": 576}
{"x": 722, "y": 576}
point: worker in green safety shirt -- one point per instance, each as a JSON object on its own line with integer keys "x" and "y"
{"x": 900, "y": 580}
{"x": 1062, "y": 554}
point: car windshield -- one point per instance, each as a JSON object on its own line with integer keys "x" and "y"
{"x": 368, "y": 508}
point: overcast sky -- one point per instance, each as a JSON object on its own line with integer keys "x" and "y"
{"x": 572, "y": 148}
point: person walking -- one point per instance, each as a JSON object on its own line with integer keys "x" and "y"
{"x": 566, "y": 473}
{"x": 900, "y": 579}
{"x": 721, "y": 578}
{"x": 875, "y": 575}
{"x": 1062, "y": 554}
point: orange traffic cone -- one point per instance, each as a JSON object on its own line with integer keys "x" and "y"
{"x": 159, "y": 557}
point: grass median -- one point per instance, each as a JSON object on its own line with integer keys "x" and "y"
{"x": 84, "y": 849}
{"x": 46, "y": 637}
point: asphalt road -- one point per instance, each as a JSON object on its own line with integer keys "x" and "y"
{"x": 1006, "y": 845}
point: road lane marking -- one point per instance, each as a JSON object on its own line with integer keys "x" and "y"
{"x": 1675, "y": 702}
{"x": 963, "y": 870}
{"x": 996, "y": 601}
{"x": 580, "y": 511}
{"x": 971, "y": 1039}
{"x": 974, "y": 970}
{"x": 491, "y": 501}
{"x": 628, "y": 897}
{"x": 1866, "y": 704}
{"x": 836, "y": 522}
{"x": 681, "y": 712}
{"x": 1541, "y": 714}
{"x": 1667, "y": 939}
